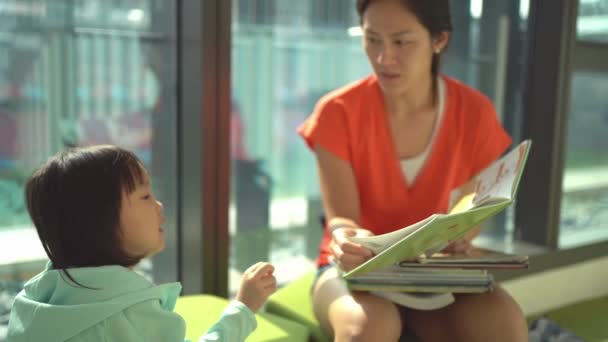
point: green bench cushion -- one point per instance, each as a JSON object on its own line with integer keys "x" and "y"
{"x": 587, "y": 319}
{"x": 294, "y": 302}
{"x": 201, "y": 311}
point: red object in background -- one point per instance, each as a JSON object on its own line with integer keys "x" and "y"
{"x": 237, "y": 136}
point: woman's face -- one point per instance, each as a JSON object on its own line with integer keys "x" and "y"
{"x": 400, "y": 49}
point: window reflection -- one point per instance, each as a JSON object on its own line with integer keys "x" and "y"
{"x": 592, "y": 23}
{"x": 584, "y": 208}
{"x": 76, "y": 73}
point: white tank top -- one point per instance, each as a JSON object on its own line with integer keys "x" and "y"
{"x": 412, "y": 166}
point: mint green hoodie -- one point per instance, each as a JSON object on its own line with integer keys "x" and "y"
{"x": 124, "y": 307}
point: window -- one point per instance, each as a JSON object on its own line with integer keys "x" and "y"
{"x": 278, "y": 73}
{"x": 75, "y": 73}
{"x": 592, "y": 23}
{"x": 584, "y": 205}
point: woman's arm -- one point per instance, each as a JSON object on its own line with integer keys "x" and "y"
{"x": 341, "y": 204}
{"x": 338, "y": 188}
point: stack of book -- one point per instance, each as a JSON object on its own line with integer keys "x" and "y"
{"x": 427, "y": 279}
{"x": 428, "y": 282}
{"x": 462, "y": 273}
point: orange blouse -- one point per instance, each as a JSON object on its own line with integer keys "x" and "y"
{"x": 351, "y": 123}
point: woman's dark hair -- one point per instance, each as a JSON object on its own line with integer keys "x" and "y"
{"x": 74, "y": 201}
{"x": 434, "y": 15}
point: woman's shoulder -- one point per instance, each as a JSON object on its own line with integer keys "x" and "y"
{"x": 464, "y": 93}
{"x": 351, "y": 92}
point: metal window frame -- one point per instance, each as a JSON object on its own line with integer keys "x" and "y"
{"x": 590, "y": 56}
{"x": 204, "y": 153}
{"x": 553, "y": 29}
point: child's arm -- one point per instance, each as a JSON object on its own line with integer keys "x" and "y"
{"x": 238, "y": 319}
{"x": 235, "y": 324}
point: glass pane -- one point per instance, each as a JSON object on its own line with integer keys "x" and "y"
{"x": 592, "y": 23}
{"x": 584, "y": 208}
{"x": 487, "y": 51}
{"x": 285, "y": 55}
{"x": 75, "y": 73}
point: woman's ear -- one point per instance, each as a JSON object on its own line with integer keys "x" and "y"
{"x": 441, "y": 41}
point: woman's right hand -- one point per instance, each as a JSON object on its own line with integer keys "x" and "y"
{"x": 347, "y": 254}
{"x": 257, "y": 284}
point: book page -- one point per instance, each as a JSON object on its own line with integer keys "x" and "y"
{"x": 378, "y": 243}
{"x": 476, "y": 255}
{"x": 494, "y": 184}
{"x": 462, "y": 197}
{"x": 465, "y": 203}
{"x": 498, "y": 181}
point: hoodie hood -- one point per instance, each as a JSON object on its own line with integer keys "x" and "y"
{"x": 52, "y": 308}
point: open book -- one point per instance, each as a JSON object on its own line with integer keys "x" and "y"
{"x": 485, "y": 195}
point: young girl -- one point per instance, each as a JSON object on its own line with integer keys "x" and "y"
{"x": 97, "y": 218}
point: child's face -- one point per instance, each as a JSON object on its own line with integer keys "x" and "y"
{"x": 141, "y": 216}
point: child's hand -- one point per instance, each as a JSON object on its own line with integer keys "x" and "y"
{"x": 257, "y": 284}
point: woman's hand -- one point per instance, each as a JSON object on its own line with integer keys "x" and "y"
{"x": 257, "y": 284}
{"x": 464, "y": 244}
{"x": 460, "y": 246}
{"x": 347, "y": 254}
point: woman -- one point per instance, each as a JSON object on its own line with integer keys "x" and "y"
{"x": 389, "y": 149}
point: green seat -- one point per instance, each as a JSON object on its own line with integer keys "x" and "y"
{"x": 585, "y": 319}
{"x": 294, "y": 303}
{"x": 201, "y": 311}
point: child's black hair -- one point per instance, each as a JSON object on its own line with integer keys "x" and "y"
{"x": 74, "y": 201}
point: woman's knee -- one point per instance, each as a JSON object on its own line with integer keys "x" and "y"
{"x": 490, "y": 304}
{"x": 510, "y": 318}
{"x": 505, "y": 306}
{"x": 356, "y": 316}
{"x": 495, "y": 313}
{"x": 365, "y": 319}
